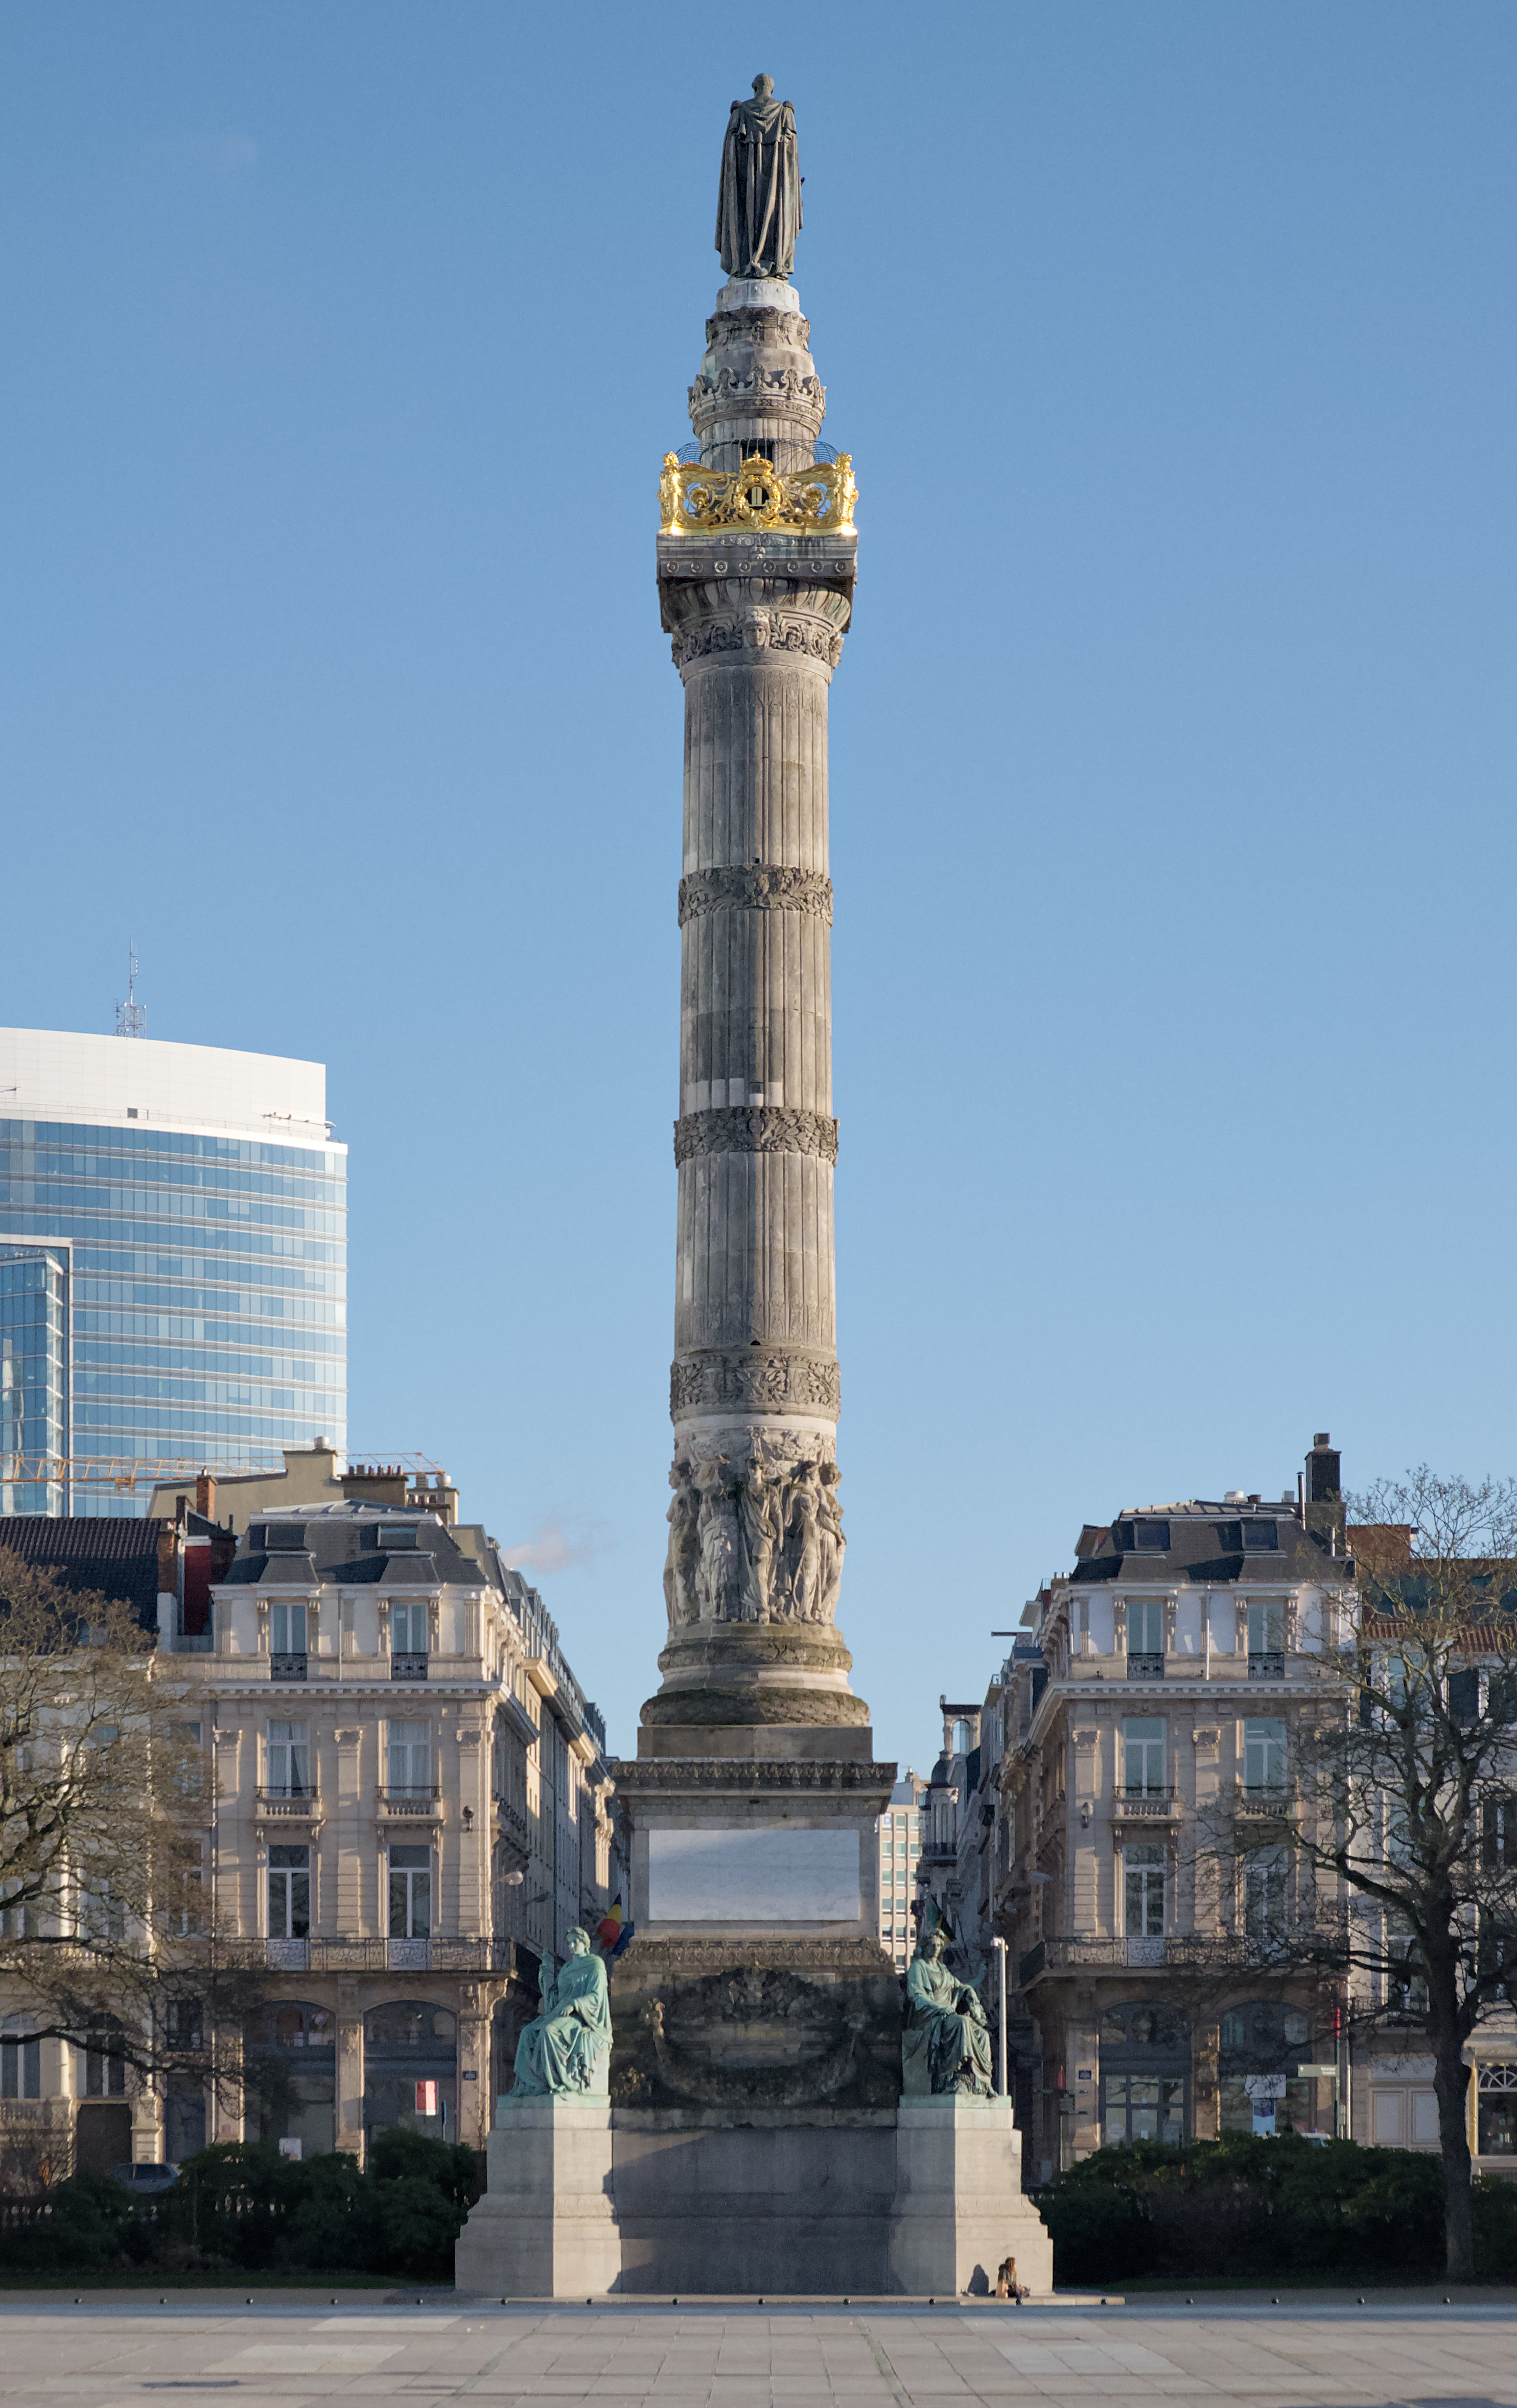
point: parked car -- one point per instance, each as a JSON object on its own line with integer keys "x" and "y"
{"x": 145, "y": 2180}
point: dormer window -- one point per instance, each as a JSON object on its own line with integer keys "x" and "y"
{"x": 1259, "y": 1537}
{"x": 286, "y": 1539}
{"x": 399, "y": 1538}
{"x": 1151, "y": 1535}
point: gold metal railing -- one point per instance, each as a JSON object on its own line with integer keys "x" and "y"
{"x": 708, "y": 501}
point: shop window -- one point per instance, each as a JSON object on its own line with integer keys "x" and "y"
{"x": 1143, "y": 2107}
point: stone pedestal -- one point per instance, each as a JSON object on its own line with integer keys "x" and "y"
{"x": 960, "y": 2207}
{"x": 545, "y": 2228}
{"x": 921, "y": 2201}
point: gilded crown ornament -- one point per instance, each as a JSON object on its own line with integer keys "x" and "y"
{"x": 694, "y": 500}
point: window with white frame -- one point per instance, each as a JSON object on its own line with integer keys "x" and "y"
{"x": 1143, "y": 1755}
{"x": 1143, "y": 1887}
{"x": 1263, "y": 1754}
{"x": 1266, "y": 1626}
{"x": 1263, "y": 1893}
{"x": 289, "y": 1893}
{"x": 408, "y": 1625}
{"x": 409, "y": 1758}
{"x": 1145, "y": 1626}
{"x": 411, "y": 1893}
{"x": 287, "y": 1627}
{"x": 289, "y": 1760}
{"x": 20, "y": 2061}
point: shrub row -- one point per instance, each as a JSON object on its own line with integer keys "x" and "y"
{"x": 1242, "y": 2206}
{"x": 241, "y": 2206}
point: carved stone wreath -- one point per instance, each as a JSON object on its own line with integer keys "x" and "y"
{"x": 753, "y": 2038}
{"x": 764, "y": 887}
{"x": 755, "y": 1128}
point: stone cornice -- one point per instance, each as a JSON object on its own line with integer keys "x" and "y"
{"x": 755, "y": 1128}
{"x": 763, "y": 887}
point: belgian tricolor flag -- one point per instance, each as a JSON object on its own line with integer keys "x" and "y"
{"x": 613, "y": 1932}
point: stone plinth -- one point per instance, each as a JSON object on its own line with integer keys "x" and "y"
{"x": 766, "y": 2201}
{"x": 960, "y": 2207}
{"x": 544, "y": 2227}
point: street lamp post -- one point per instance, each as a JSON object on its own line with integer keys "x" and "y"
{"x": 1000, "y": 1947}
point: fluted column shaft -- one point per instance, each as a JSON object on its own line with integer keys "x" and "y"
{"x": 757, "y": 621}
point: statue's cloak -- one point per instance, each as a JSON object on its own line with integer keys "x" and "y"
{"x": 759, "y": 214}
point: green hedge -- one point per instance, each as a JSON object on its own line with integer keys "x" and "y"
{"x": 1266, "y": 2207}
{"x": 242, "y": 2206}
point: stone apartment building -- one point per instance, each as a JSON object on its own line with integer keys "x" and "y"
{"x": 410, "y": 1803}
{"x": 1165, "y": 1676}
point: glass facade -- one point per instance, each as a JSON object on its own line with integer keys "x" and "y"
{"x": 34, "y": 1374}
{"x": 164, "y": 1295}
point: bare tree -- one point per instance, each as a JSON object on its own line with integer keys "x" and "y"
{"x": 1380, "y": 1852}
{"x": 104, "y": 1810}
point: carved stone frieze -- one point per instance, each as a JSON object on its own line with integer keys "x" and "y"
{"x": 767, "y": 886}
{"x": 750, "y": 1540}
{"x": 762, "y": 385}
{"x": 755, "y": 1381}
{"x": 758, "y": 631}
{"x": 755, "y": 1128}
{"x": 773, "y": 328}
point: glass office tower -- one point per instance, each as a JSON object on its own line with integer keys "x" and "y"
{"x": 172, "y": 1267}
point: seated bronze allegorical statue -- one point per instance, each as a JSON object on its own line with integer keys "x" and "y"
{"x": 947, "y": 2039}
{"x": 564, "y": 2052}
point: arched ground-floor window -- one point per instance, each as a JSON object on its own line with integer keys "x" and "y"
{"x": 410, "y": 2069}
{"x": 290, "y": 2067}
{"x": 1260, "y": 2043}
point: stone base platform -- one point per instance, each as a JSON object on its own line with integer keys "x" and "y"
{"x": 913, "y": 2200}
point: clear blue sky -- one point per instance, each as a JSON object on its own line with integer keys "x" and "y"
{"x": 1172, "y": 751}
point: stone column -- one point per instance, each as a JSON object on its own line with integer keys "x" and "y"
{"x": 757, "y": 606}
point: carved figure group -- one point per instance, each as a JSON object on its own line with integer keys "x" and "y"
{"x": 752, "y": 1544}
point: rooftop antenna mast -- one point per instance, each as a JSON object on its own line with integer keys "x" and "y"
{"x": 131, "y": 1018}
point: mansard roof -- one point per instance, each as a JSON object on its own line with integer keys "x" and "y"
{"x": 1203, "y": 1543}
{"x": 352, "y": 1545}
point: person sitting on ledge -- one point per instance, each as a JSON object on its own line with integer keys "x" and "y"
{"x": 945, "y": 2020}
{"x": 562, "y": 2053}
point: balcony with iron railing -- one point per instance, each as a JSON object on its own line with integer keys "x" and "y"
{"x": 1268, "y": 1663}
{"x": 375, "y": 1955}
{"x": 408, "y": 1666}
{"x": 1149, "y": 1804}
{"x": 286, "y": 1805}
{"x": 416, "y": 1802}
{"x": 1145, "y": 1668}
{"x": 1270, "y": 1800}
{"x": 288, "y": 1667}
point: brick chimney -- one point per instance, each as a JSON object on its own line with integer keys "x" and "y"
{"x": 205, "y": 1494}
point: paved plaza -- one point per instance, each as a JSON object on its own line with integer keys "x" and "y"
{"x": 279, "y": 2355}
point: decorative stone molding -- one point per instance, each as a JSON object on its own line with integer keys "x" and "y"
{"x": 650, "y": 1776}
{"x": 755, "y": 1381}
{"x": 758, "y": 631}
{"x": 782, "y": 328}
{"x": 767, "y": 886}
{"x": 755, "y": 1128}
